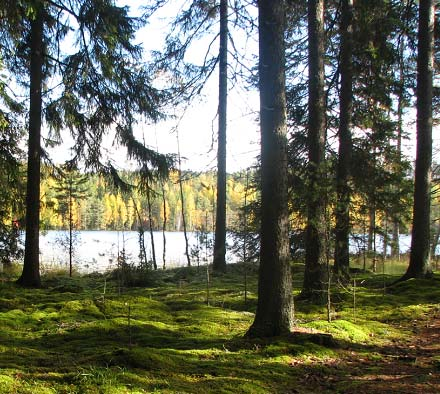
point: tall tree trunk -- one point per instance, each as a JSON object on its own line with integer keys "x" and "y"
{"x": 274, "y": 315}
{"x": 70, "y": 227}
{"x": 219, "y": 262}
{"x": 245, "y": 223}
{"x": 150, "y": 221}
{"x": 342, "y": 227}
{"x": 419, "y": 257}
{"x": 395, "y": 245}
{"x": 182, "y": 201}
{"x": 164, "y": 226}
{"x": 316, "y": 262}
{"x": 30, "y": 276}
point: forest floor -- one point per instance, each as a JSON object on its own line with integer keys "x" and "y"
{"x": 169, "y": 332}
{"x": 410, "y": 365}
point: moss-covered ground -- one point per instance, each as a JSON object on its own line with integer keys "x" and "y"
{"x": 95, "y": 334}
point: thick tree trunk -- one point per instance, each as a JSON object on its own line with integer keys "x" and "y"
{"x": 274, "y": 315}
{"x": 419, "y": 258}
{"x": 219, "y": 262}
{"x": 30, "y": 276}
{"x": 342, "y": 227}
{"x": 316, "y": 255}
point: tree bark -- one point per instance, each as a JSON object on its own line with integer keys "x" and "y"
{"x": 30, "y": 276}
{"x": 316, "y": 261}
{"x": 219, "y": 262}
{"x": 419, "y": 265}
{"x": 274, "y": 315}
{"x": 342, "y": 227}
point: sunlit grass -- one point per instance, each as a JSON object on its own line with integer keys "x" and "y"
{"x": 72, "y": 337}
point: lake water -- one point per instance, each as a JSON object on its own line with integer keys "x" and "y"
{"x": 98, "y": 250}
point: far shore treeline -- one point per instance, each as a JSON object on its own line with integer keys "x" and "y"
{"x": 96, "y": 204}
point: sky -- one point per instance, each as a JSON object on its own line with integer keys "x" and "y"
{"x": 197, "y": 124}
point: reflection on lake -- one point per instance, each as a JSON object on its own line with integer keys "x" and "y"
{"x": 98, "y": 250}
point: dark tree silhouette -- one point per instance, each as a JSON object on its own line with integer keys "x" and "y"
{"x": 342, "y": 227}
{"x": 274, "y": 315}
{"x": 316, "y": 253}
{"x": 419, "y": 257}
{"x": 219, "y": 262}
{"x": 31, "y": 268}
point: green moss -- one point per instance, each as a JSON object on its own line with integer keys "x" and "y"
{"x": 343, "y": 329}
{"x": 7, "y": 384}
{"x": 69, "y": 337}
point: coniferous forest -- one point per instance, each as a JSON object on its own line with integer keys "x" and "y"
{"x": 348, "y": 155}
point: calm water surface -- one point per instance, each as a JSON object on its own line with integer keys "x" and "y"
{"x": 98, "y": 250}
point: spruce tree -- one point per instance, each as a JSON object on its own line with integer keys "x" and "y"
{"x": 274, "y": 315}
{"x": 104, "y": 85}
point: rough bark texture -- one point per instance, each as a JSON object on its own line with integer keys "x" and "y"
{"x": 30, "y": 276}
{"x": 316, "y": 260}
{"x": 342, "y": 228}
{"x": 274, "y": 315}
{"x": 419, "y": 257}
{"x": 219, "y": 263}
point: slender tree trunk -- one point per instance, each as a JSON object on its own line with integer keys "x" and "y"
{"x": 150, "y": 220}
{"x": 371, "y": 228}
{"x": 435, "y": 238}
{"x": 385, "y": 239}
{"x": 245, "y": 235}
{"x": 314, "y": 286}
{"x": 70, "y": 229}
{"x": 419, "y": 265}
{"x": 395, "y": 245}
{"x": 219, "y": 262}
{"x": 245, "y": 224}
{"x": 342, "y": 227}
{"x": 30, "y": 276}
{"x": 141, "y": 232}
{"x": 182, "y": 201}
{"x": 164, "y": 227}
{"x": 274, "y": 315}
